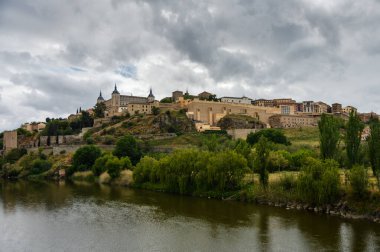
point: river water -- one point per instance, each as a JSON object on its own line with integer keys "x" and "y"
{"x": 47, "y": 216}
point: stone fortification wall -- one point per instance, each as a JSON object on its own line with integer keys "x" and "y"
{"x": 10, "y": 140}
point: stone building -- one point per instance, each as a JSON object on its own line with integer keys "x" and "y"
{"x": 263, "y": 103}
{"x": 349, "y": 109}
{"x": 293, "y": 121}
{"x": 10, "y": 140}
{"x": 122, "y": 104}
{"x": 321, "y": 108}
{"x": 336, "y": 108}
{"x": 176, "y": 95}
{"x": 308, "y": 107}
{"x": 204, "y": 95}
{"x": 34, "y": 127}
{"x": 211, "y": 112}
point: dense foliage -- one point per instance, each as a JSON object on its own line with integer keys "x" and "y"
{"x": 318, "y": 181}
{"x": 374, "y": 149}
{"x": 85, "y": 157}
{"x": 193, "y": 171}
{"x": 127, "y": 146}
{"x": 329, "y": 135}
{"x": 273, "y": 135}
{"x": 359, "y": 180}
{"x": 353, "y": 138}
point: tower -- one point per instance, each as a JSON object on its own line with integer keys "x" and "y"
{"x": 115, "y": 100}
{"x": 150, "y": 96}
{"x": 100, "y": 98}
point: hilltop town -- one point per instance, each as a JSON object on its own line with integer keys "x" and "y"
{"x": 205, "y": 111}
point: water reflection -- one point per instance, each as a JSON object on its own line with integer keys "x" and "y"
{"x": 146, "y": 220}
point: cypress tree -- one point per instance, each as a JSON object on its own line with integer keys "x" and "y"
{"x": 353, "y": 138}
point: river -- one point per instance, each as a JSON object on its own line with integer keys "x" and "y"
{"x": 47, "y": 216}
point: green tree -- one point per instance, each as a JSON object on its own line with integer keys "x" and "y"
{"x": 155, "y": 110}
{"x": 353, "y": 138}
{"x": 358, "y": 177}
{"x": 145, "y": 170}
{"x": 318, "y": 182}
{"x": 128, "y": 146}
{"x": 85, "y": 157}
{"x": 374, "y": 149}
{"x": 261, "y": 161}
{"x": 114, "y": 167}
{"x": 329, "y": 136}
{"x": 100, "y": 164}
{"x": 273, "y": 135}
{"x": 99, "y": 109}
{"x": 40, "y": 166}
{"x": 166, "y": 100}
{"x": 226, "y": 170}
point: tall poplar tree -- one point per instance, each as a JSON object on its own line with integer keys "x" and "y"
{"x": 374, "y": 148}
{"x": 353, "y": 138}
{"x": 261, "y": 162}
{"x": 328, "y": 136}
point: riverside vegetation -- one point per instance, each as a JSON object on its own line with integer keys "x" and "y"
{"x": 325, "y": 169}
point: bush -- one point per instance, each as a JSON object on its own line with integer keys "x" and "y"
{"x": 100, "y": 164}
{"x": 40, "y": 166}
{"x": 114, "y": 166}
{"x": 318, "y": 182}
{"x": 273, "y": 135}
{"x": 288, "y": 182}
{"x": 358, "y": 178}
{"x": 127, "y": 147}
{"x": 278, "y": 161}
{"x": 145, "y": 170}
{"x": 13, "y": 155}
{"x": 299, "y": 158}
{"x": 85, "y": 157}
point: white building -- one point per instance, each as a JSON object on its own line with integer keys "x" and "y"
{"x": 238, "y": 100}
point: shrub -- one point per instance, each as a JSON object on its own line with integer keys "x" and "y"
{"x": 127, "y": 147}
{"x": 100, "y": 165}
{"x": 318, "y": 182}
{"x": 90, "y": 140}
{"x": 13, "y": 155}
{"x": 40, "y": 166}
{"x": 273, "y": 135}
{"x": 226, "y": 170}
{"x": 145, "y": 170}
{"x": 358, "y": 178}
{"x": 85, "y": 157}
{"x": 126, "y": 163}
{"x": 114, "y": 166}
{"x": 288, "y": 182}
{"x": 299, "y": 158}
{"x": 277, "y": 161}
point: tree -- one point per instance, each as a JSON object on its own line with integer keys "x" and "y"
{"x": 114, "y": 166}
{"x": 358, "y": 177}
{"x": 99, "y": 109}
{"x": 261, "y": 162}
{"x": 85, "y": 157}
{"x": 166, "y": 100}
{"x": 353, "y": 138}
{"x": 155, "y": 110}
{"x": 128, "y": 146}
{"x": 273, "y": 135}
{"x": 374, "y": 149}
{"x": 328, "y": 136}
{"x": 86, "y": 119}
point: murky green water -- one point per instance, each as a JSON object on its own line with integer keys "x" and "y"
{"x": 48, "y": 216}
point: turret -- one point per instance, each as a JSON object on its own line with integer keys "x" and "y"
{"x": 100, "y": 98}
{"x": 115, "y": 97}
{"x": 150, "y": 96}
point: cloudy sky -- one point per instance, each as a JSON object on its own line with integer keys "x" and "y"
{"x": 55, "y": 56}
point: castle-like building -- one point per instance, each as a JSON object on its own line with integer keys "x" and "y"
{"x": 122, "y": 104}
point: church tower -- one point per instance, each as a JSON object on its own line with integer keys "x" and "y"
{"x": 150, "y": 96}
{"x": 115, "y": 100}
{"x": 100, "y": 98}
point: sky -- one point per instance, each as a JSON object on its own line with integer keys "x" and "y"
{"x": 55, "y": 56}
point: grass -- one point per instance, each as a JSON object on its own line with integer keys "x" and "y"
{"x": 303, "y": 136}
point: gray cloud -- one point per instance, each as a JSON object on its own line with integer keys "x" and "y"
{"x": 56, "y": 56}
